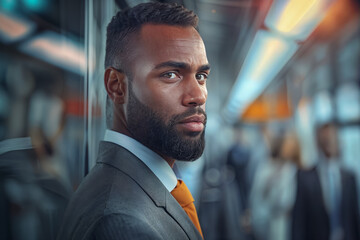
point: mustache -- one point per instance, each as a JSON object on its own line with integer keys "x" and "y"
{"x": 188, "y": 113}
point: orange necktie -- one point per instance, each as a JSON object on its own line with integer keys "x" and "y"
{"x": 182, "y": 194}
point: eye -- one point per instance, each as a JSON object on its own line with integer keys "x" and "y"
{"x": 201, "y": 77}
{"x": 170, "y": 75}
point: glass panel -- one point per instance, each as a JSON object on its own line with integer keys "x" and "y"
{"x": 42, "y": 114}
{"x": 98, "y": 15}
{"x": 348, "y": 103}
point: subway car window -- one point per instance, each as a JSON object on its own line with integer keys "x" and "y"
{"x": 43, "y": 114}
{"x": 99, "y": 98}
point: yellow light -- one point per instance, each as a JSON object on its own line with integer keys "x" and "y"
{"x": 272, "y": 48}
{"x": 296, "y": 12}
{"x": 296, "y": 18}
{"x": 267, "y": 55}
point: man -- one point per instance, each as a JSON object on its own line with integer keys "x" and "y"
{"x": 326, "y": 205}
{"x": 156, "y": 72}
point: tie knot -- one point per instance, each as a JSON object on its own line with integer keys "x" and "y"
{"x": 182, "y": 194}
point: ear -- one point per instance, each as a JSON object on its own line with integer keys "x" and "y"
{"x": 115, "y": 85}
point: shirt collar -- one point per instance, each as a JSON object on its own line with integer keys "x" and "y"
{"x": 328, "y": 162}
{"x": 154, "y": 161}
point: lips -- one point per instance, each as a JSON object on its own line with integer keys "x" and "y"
{"x": 196, "y": 118}
{"x": 194, "y": 123}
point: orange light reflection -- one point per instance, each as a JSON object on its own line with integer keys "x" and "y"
{"x": 12, "y": 28}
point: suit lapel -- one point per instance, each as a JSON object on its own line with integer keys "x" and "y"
{"x": 123, "y": 160}
{"x": 344, "y": 197}
{"x": 320, "y": 187}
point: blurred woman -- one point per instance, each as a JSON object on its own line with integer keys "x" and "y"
{"x": 273, "y": 193}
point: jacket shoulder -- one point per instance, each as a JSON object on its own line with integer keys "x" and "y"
{"x": 104, "y": 191}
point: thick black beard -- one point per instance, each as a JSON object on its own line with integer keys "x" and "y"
{"x": 148, "y": 127}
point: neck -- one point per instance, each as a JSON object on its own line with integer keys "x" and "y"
{"x": 169, "y": 160}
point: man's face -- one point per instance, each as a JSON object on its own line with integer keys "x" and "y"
{"x": 327, "y": 140}
{"x": 167, "y": 94}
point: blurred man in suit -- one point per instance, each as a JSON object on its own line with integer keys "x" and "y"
{"x": 326, "y": 205}
{"x": 156, "y": 72}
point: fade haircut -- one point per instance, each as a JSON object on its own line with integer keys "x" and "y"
{"x": 125, "y": 24}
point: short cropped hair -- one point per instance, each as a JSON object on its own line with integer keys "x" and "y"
{"x": 127, "y": 22}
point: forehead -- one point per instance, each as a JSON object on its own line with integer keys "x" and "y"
{"x": 164, "y": 42}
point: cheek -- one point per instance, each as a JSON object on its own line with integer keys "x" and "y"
{"x": 164, "y": 101}
{"x": 205, "y": 91}
{"x": 167, "y": 102}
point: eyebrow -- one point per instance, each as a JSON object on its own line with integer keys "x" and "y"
{"x": 205, "y": 67}
{"x": 181, "y": 65}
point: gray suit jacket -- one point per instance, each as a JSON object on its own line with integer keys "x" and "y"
{"x": 121, "y": 198}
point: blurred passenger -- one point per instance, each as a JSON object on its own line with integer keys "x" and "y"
{"x": 155, "y": 77}
{"x": 239, "y": 160}
{"x": 223, "y": 208}
{"x": 33, "y": 197}
{"x": 326, "y": 204}
{"x": 273, "y": 193}
{"x": 19, "y": 195}
{"x": 33, "y": 200}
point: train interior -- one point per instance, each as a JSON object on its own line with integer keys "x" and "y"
{"x": 284, "y": 91}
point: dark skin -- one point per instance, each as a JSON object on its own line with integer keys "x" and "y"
{"x": 327, "y": 140}
{"x": 169, "y": 70}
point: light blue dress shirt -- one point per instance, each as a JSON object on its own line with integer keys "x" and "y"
{"x": 330, "y": 180}
{"x": 154, "y": 161}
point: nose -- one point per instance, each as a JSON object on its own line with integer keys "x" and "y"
{"x": 195, "y": 94}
